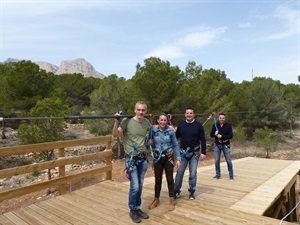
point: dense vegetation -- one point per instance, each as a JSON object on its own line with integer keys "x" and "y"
{"x": 28, "y": 91}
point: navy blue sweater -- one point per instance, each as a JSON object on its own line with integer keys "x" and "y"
{"x": 191, "y": 135}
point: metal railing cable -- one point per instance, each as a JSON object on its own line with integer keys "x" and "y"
{"x": 111, "y": 116}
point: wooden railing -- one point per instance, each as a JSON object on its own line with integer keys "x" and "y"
{"x": 60, "y": 162}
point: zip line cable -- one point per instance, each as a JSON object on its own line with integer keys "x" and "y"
{"x": 113, "y": 116}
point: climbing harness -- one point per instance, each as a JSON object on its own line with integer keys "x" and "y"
{"x": 215, "y": 115}
{"x": 133, "y": 157}
{"x": 132, "y": 160}
{"x": 221, "y": 142}
{"x": 222, "y": 147}
{"x": 157, "y": 155}
{"x": 208, "y": 118}
{"x": 187, "y": 151}
{"x": 169, "y": 116}
{"x": 153, "y": 158}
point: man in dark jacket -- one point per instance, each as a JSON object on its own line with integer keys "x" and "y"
{"x": 193, "y": 148}
{"x": 222, "y": 132}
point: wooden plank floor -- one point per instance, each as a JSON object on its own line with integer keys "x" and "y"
{"x": 217, "y": 201}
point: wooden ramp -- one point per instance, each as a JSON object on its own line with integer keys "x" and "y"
{"x": 217, "y": 201}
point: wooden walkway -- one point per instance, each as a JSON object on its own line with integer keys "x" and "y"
{"x": 258, "y": 184}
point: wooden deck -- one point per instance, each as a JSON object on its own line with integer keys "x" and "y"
{"x": 258, "y": 184}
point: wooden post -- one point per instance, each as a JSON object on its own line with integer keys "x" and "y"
{"x": 61, "y": 171}
{"x": 108, "y": 161}
{"x": 291, "y": 204}
{"x": 279, "y": 208}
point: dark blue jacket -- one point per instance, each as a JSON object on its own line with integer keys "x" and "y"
{"x": 225, "y": 131}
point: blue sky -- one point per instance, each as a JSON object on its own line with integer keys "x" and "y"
{"x": 244, "y": 38}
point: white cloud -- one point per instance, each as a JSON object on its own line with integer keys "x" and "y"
{"x": 245, "y": 25}
{"x": 202, "y": 38}
{"x": 179, "y": 48}
{"x": 166, "y": 52}
{"x": 289, "y": 18}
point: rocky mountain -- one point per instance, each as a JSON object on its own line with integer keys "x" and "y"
{"x": 11, "y": 60}
{"x": 48, "y": 67}
{"x": 79, "y": 65}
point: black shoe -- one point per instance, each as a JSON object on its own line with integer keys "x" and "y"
{"x": 231, "y": 178}
{"x": 177, "y": 195}
{"x": 192, "y": 196}
{"x": 134, "y": 216}
{"x": 141, "y": 214}
{"x": 217, "y": 177}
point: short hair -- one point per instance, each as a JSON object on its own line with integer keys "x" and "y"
{"x": 140, "y": 103}
{"x": 190, "y": 108}
{"x": 221, "y": 114}
{"x": 163, "y": 114}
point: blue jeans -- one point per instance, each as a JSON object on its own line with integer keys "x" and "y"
{"x": 192, "y": 159}
{"x": 138, "y": 169}
{"x": 217, "y": 154}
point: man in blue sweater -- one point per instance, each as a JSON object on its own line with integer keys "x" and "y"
{"x": 193, "y": 147}
{"x": 222, "y": 132}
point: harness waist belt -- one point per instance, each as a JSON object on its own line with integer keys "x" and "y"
{"x": 163, "y": 153}
{"x": 223, "y": 143}
{"x": 191, "y": 149}
{"x": 140, "y": 156}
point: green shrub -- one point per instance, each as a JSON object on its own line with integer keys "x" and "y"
{"x": 266, "y": 139}
{"x": 239, "y": 134}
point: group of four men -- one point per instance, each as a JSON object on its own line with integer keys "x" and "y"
{"x": 192, "y": 148}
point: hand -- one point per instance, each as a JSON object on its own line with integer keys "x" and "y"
{"x": 117, "y": 116}
{"x": 202, "y": 156}
{"x": 219, "y": 136}
{"x": 216, "y": 133}
{"x": 150, "y": 142}
{"x": 172, "y": 127}
{"x": 178, "y": 163}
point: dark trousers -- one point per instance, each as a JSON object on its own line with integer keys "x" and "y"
{"x": 164, "y": 165}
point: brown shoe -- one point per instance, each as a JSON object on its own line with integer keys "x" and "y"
{"x": 154, "y": 203}
{"x": 171, "y": 204}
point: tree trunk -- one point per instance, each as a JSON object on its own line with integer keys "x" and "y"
{"x": 3, "y": 133}
{"x": 49, "y": 178}
{"x": 268, "y": 154}
{"x": 291, "y": 128}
